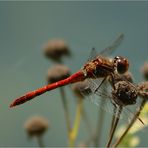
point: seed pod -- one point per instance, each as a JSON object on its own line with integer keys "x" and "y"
{"x": 36, "y": 126}
{"x": 81, "y": 88}
{"x": 57, "y": 73}
{"x": 144, "y": 70}
{"x": 124, "y": 93}
{"x": 55, "y": 49}
{"x": 143, "y": 89}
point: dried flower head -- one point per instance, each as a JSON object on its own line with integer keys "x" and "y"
{"x": 143, "y": 89}
{"x": 55, "y": 49}
{"x": 144, "y": 70}
{"x": 36, "y": 126}
{"x": 81, "y": 88}
{"x": 124, "y": 93}
{"x": 57, "y": 73}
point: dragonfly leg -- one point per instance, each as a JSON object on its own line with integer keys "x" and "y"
{"x": 100, "y": 85}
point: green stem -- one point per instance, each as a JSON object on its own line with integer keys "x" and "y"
{"x": 76, "y": 125}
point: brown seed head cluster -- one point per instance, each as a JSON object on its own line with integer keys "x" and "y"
{"x": 144, "y": 70}
{"x": 57, "y": 73}
{"x": 143, "y": 89}
{"x": 55, "y": 49}
{"x": 36, "y": 126}
{"x": 124, "y": 93}
{"x": 81, "y": 88}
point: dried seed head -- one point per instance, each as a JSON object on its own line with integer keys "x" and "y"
{"x": 124, "y": 93}
{"x": 143, "y": 89}
{"x": 36, "y": 126}
{"x": 55, "y": 49}
{"x": 144, "y": 70}
{"x": 57, "y": 73}
{"x": 81, "y": 88}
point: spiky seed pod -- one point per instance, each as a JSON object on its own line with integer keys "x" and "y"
{"x": 36, "y": 126}
{"x": 144, "y": 70}
{"x": 57, "y": 73}
{"x": 124, "y": 93}
{"x": 55, "y": 49}
{"x": 81, "y": 88}
{"x": 143, "y": 89}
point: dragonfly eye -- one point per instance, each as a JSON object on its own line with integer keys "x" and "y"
{"x": 122, "y": 64}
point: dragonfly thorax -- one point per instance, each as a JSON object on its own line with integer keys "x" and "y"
{"x": 99, "y": 67}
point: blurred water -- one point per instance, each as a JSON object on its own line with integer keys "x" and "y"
{"x": 26, "y": 26}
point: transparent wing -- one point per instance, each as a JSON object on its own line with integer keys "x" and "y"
{"x": 100, "y": 97}
{"x": 93, "y": 54}
{"x": 104, "y": 95}
{"x": 108, "y": 50}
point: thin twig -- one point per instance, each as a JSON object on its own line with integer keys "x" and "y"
{"x": 66, "y": 111}
{"x": 99, "y": 126}
{"x": 130, "y": 124}
{"x": 117, "y": 117}
{"x": 113, "y": 120}
{"x": 86, "y": 121}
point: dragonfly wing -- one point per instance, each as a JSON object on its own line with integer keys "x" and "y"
{"x": 110, "y": 49}
{"x": 93, "y": 54}
{"x": 102, "y": 96}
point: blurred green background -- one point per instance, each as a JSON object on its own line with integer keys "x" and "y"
{"x": 26, "y": 26}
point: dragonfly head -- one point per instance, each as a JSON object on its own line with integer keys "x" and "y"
{"x": 121, "y": 64}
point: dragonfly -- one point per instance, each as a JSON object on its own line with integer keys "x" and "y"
{"x": 100, "y": 66}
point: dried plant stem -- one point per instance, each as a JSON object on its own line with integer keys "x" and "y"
{"x": 40, "y": 141}
{"x": 86, "y": 121}
{"x": 66, "y": 111}
{"x": 130, "y": 124}
{"x": 97, "y": 135}
{"x": 113, "y": 120}
{"x": 116, "y": 120}
{"x": 74, "y": 131}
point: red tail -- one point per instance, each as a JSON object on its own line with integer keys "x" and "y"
{"x": 79, "y": 76}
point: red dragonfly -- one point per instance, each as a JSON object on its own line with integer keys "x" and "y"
{"x": 98, "y": 67}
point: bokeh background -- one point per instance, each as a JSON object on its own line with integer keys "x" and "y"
{"x": 26, "y": 26}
